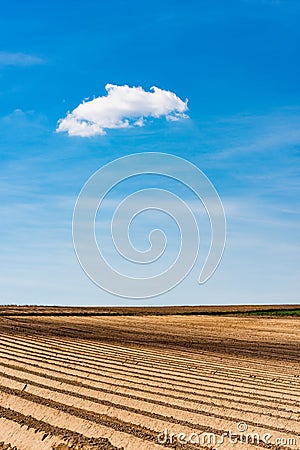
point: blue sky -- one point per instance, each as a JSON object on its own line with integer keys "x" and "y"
{"x": 238, "y": 64}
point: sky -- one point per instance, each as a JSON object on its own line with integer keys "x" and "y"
{"x": 75, "y": 94}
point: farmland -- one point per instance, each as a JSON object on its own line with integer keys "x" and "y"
{"x": 112, "y": 378}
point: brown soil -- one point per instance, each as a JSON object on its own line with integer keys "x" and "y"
{"x": 112, "y": 381}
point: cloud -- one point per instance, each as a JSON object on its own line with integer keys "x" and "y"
{"x": 122, "y": 107}
{"x": 19, "y": 59}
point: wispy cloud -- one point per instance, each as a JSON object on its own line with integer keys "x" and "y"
{"x": 273, "y": 136}
{"x": 122, "y": 107}
{"x": 19, "y": 59}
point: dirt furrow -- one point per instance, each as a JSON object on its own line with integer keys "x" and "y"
{"x": 191, "y": 379}
{"x": 88, "y": 422}
{"x": 186, "y": 393}
{"x": 90, "y": 425}
{"x": 41, "y": 433}
{"x": 26, "y": 438}
{"x": 141, "y": 403}
{"x": 122, "y": 354}
{"x": 165, "y": 400}
{"x": 233, "y": 361}
{"x": 172, "y": 333}
{"x": 126, "y": 413}
{"x": 271, "y": 393}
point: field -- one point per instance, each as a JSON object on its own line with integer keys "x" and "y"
{"x": 142, "y": 378}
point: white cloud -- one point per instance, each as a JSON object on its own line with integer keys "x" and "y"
{"x": 122, "y": 107}
{"x": 19, "y": 59}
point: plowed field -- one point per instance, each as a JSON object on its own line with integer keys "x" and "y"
{"x": 148, "y": 381}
